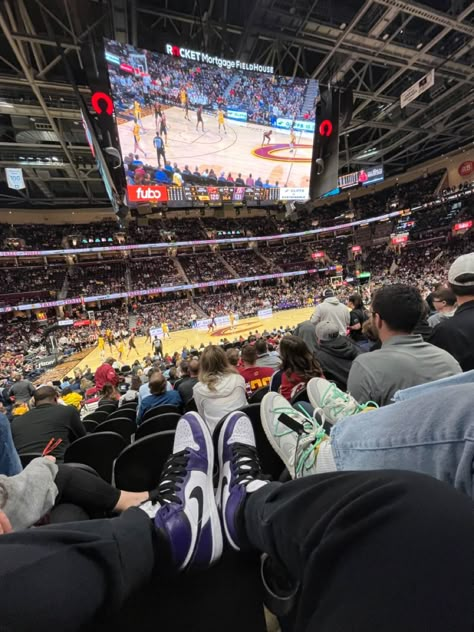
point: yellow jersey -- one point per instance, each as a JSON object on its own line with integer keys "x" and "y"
{"x": 165, "y": 328}
{"x": 136, "y": 132}
{"x": 100, "y": 342}
{"x": 137, "y": 110}
{"x": 220, "y": 117}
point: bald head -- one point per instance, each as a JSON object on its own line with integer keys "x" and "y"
{"x": 194, "y": 367}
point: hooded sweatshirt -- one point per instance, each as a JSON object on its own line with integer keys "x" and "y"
{"x": 332, "y": 310}
{"x": 229, "y": 395}
{"x": 335, "y": 357}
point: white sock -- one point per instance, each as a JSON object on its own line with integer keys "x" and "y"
{"x": 325, "y": 459}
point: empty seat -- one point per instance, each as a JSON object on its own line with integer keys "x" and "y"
{"x": 89, "y": 424}
{"x": 166, "y": 421}
{"x": 129, "y": 413}
{"x": 97, "y": 415}
{"x": 158, "y": 410}
{"x": 270, "y": 461}
{"x": 123, "y": 426}
{"x": 132, "y": 404}
{"x": 190, "y": 406}
{"x": 108, "y": 406}
{"x": 98, "y": 450}
{"x": 139, "y": 466}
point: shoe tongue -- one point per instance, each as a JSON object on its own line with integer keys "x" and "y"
{"x": 184, "y": 437}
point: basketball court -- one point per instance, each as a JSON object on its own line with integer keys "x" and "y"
{"x": 240, "y": 150}
{"x": 196, "y": 337}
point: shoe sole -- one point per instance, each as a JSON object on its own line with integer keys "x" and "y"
{"x": 273, "y": 442}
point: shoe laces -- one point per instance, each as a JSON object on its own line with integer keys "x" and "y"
{"x": 341, "y": 404}
{"x": 313, "y": 433}
{"x": 246, "y": 464}
{"x": 172, "y": 478}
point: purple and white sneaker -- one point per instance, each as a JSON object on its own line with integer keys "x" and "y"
{"x": 183, "y": 506}
{"x": 239, "y": 474}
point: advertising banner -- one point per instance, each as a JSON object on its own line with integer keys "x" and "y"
{"x": 265, "y": 313}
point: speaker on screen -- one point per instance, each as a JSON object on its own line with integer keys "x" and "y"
{"x": 326, "y": 144}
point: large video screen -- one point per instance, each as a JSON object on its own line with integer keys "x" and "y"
{"x": 195, "y": 133}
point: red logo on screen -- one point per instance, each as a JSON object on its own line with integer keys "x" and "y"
{"x": 101, "y": 102}
{"x": 325, "y": 129}
{"x": 143, "y": 193}
{"x": 466, "y": 168}
{"x": 175, "y": 51}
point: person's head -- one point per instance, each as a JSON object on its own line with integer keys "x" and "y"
{"x": 109, "y": 392}
{"x": 135, "y": 383}
{"x": 110, "y": 361}
{"x": 355, "y": 301}
{"x": 214, "y": 365}
{"x": 194, "y": 367}
{"x": 184, "y": 368}
{"x": 66, "y": 391}
{"x": 45, "y": 395}
{"x": 369, "y": 331}
{"x": 444, "y": 299}
{"x": 261, "y": 346}
{"x": 461, "y": 278}
{"x": 249, "y": 355}
{"x": 157, "y": 384}
{"x": 326, "y": 330}
{"x": 85, "y": 384}
{"x": 16, "y": 377}
{"x": 396, "y": 310}
{"x": 297, "y": 358}
{"x": 233, "y": 356}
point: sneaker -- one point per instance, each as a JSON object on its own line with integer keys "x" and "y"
{"x": 294, "y": 434}
{"x": 183, "y": 506}
{"x": 334, "y": 403}
{"x": 239, "y": 474}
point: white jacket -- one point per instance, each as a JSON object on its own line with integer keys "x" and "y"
{"x": 229, "y": 395}
{"x": 333, "y": 311}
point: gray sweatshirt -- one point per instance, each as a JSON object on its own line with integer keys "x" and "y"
{"x": 333, "y": 311}
{"x": 28, "y": 496}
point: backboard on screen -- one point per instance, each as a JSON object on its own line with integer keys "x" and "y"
{"x": 195, "y": 133}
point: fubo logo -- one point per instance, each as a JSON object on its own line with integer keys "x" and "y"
{"x": 152, "y": 193}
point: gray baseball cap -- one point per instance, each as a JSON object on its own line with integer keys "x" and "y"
{"x": 462, "y": 271}
{"x": 326, "y": 330}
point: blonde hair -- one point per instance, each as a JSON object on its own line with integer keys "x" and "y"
{"x": 213, "y": 365}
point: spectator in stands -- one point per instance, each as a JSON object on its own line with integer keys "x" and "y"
{"x": 159, "y": 396}
{"x": 298, "y": 366}
{"x": 239, "y": 181}
{"x": 71, "y": 398}
{"x": 105, "y": 374}
{"x": 21, "y": 390}
{"x": 265, "y": 357}
{"x": 109, "y": 395}
{"x": 220, "y": 389}
{"x": 307, "y": 333}
{"x": 332, "y": 310}
{"x": 456, "y": 334}
{"x": 186, "y": 385}
{"x": 255, "y": 376}
{"x": 358, "y": 316}
{"x": 404, "y": 359}
{"x": 233, "y": 355}
{"x": 47, "y": 420}
{"x": 132, "y": 394}
{"x": 335, "y": 353}
{"x": 444, "y": 302}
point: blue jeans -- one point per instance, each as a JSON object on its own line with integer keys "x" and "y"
{"x": 9, "y": 460}
{"x": 430, "y": 387}
{"x": 432, "y": 434}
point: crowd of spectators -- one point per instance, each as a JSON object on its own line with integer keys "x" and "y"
{"x": 93, "y": 279}
{"x": 154, "y": 272}
{"x": 203, "y": 268}
{"x": 247, "y": 262}
{"x": 176, "y": 314}
{"x": 32, "y": 281}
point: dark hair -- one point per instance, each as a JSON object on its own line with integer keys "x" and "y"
{"x": 157, "y": 385}
{"x": 233, "y": 356}
{"x": 184, "y": 366}
{"x": 445, "y": 294}
{"x": 297, "y": 358}
{"x": 249, "y": 354}
{"x": 44, "y": 393}
{"x": 356, "y": 300}
{"x": 462, "y": 290}
{"x": 261, "y": 346}
{"x": 108, "y": 390}
{"x": 400, "y": 306}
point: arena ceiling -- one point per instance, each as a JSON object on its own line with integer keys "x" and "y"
{"x": 378, "y": 47}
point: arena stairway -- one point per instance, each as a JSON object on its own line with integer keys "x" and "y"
{"x": 227, "y": 265}
{"x": 180, "y": 269}
{"x": 311, "y": 93}
{"x": 275, "y": 267}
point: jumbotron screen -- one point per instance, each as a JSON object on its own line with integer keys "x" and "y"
{"x": 195, "y": 133}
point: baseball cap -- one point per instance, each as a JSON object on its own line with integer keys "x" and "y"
{"x": 326, "y": 330}
{"x": 328, "y": 293}
{"x": 462, "y": 271}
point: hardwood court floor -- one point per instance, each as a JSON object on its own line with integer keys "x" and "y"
{"x": 187, "y": 337}
{"x": 238, "y": 151}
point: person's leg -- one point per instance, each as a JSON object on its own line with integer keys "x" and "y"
{"x": 91, "y": 567}
{"x": 9, "y": 461}
{"x": 91, "y": 493}
{"x": 370, "y": 550}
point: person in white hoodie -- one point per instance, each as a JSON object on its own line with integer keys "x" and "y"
{"x": 220, "y": 389}
{"x": 333, "y": 311}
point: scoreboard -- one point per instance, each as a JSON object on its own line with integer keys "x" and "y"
{"x": 216, "y": 196}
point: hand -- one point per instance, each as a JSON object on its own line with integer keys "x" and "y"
{"x": 2, "y": 408}
{"x": 5, "y": 526}
{"x": 51, "y": 458}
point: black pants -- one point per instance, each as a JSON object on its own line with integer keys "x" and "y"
{"x": 373, "y": 552}
{"x": 81, "y": 495}
{"x": 160, "y": 153}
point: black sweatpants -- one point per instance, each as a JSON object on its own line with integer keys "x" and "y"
{"x": 377, "y": 551}
{"x": 373, "y": 552}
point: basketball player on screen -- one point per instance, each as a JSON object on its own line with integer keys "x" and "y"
{"x": 212, "y": 324}
{"x": 164, "y": 127}
{"x": 101, "y": 346}
{"x": 292, "y": 140}
{"x": 136, "y": 139}
{"x": 267, "y": 136}
{"x": 232, "y": 320}
{"x": 131, "y": 344}
{"x": 220, "y": 120}
{"x": 137, "y": 114}
{"x": 199, "y": 118}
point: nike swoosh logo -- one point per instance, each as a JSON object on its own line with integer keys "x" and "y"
{"x": 198, "y": 495}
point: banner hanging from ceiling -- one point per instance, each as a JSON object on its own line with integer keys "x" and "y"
{"x": 15, "y": 178}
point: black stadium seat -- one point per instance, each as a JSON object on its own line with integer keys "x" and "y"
{"x": 129, "y": 405}
{"x": 190, "y": 406}
{"x": 27, "y": 457}
{"x": 89, "y": 424}
{"x": 258, "y": 395}
{"x": 97, "y": 415}
{"x": 159, "y": 410}
{"x": 301, "y": 396}
{"x": 130, "y": 413}
{"x": 109, "y": 407}
{"x": 269, "y": 459}
{"x": 123, "y": 426}
{"x": 98, "y": 450}
{"x": 139, "y": 466}
{"x": 166, "y": 421}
